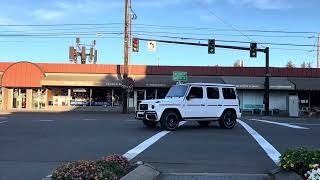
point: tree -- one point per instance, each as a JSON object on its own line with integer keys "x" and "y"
{"x": 304, "y": 65}
{"x": 309, "y": 65}
{"x": 290, "y": 64}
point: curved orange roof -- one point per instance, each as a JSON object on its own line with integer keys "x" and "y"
{"x": 22, "y": 74}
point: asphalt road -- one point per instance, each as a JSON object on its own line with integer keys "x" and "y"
{"x": 33, "y": 144}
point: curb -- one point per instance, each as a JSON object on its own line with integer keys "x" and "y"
{"x": 213, "y": 176}
{"x": 142, "y": 172}
{"x": 279, "y": 174}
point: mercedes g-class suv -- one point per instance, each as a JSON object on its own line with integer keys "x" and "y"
{"x": 201, "y": 102}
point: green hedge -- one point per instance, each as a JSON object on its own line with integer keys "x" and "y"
{"x": 299, "y": 160}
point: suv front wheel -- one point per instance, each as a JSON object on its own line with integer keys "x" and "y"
{"x": 228, "y": 120}
{"x": 169, "y": 120}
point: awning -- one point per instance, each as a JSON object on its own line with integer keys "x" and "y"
{"x": 81, "y": 80}
{"x": 306, "y": 83}
{"x": 152, "y": 81}
{"x": 166, "y": 81}
{"x": 276, "y": 83}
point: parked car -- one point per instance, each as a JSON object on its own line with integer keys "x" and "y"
{"x": 201, "y": 102}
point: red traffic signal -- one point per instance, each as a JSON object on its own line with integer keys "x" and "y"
{"x": 135, "y": 45}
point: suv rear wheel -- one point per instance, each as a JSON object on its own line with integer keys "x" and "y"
{"x": 228, "y": 120}
{"x": 150, "y": 124}
{"x": 204, "y": 123}
{"x": 170, "y": 120}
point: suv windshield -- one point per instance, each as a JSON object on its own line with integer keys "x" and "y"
{"x": 177, "y": 91}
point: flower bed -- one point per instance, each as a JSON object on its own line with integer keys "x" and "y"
{"x": 300, "y": 160}
{"x": 108, "y": 168}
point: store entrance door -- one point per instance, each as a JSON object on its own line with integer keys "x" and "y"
{"x": 19, "y": 100}
{"x": 140, "y": 96}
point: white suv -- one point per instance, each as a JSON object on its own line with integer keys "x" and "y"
{"x": 201, "y": 102}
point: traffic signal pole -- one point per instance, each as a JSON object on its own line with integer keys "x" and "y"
{"x": 267, "y": 70}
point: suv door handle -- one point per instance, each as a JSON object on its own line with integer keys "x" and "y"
{"x": 203, "y": 105}
{"x": 219, "y": 104}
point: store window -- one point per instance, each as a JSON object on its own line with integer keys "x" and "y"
{"x": 80, "y": 97}
{"x": 162, "y": 92}
{"x": 101, "y": 97}
{"x": 0, "y": 95}
{"x": 117, "y": 97}
{"x": 38, "y": 98}
{"x": 151, "y": 93}
{"x": 58, "y": 97}
{"x": 19, "y": 98}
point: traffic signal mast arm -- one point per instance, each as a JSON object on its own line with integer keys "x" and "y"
{"x": 202, "y": 44}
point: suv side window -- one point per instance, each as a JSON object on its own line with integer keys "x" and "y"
{"x": 229, "y": 93}
{"x": 196, "y": 92}
{"x": 213, "y": 93}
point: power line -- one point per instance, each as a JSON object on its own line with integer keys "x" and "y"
{"x": 226, "y": 23}
{"x": 43, "y": 25}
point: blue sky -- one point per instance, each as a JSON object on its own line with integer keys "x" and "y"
{"x": 288, "y": 15}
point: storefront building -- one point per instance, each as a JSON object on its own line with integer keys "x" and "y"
{"x": 26, "y": 86}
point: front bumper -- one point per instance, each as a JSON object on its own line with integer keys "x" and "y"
{"x": 147, "y": 115}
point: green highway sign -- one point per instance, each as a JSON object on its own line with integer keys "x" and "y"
{"x": 179, "y": 76}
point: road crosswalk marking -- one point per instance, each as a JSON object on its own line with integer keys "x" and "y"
{"x": 280, "y": 124}
{"x": 266, "y": 146}
{"x": 147, "y": 143}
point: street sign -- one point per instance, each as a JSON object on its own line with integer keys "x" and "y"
{"x": 152, "y": 46}
{"x": 179, "y": 76}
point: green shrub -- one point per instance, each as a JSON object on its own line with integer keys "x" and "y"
{"x": 111, "y": 168}
{"x": 299, "y": 160}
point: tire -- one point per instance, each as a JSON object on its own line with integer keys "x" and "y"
{"x": 228, "y": 120}
{"x": 150, "y": 124}
{"x": 204, "y": 123}
{"x": 170, "y": 120}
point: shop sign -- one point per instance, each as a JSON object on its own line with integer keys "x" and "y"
{"x": 113, "y": 84}
{"x": 79, "y": 90}
{"x": 249, "y": 86}
{"x": 156, "y": 85}
{"x": 99, "y": 103}
{"x": 79, "y": 103}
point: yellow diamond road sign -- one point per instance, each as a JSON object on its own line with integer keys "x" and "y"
{"x": 152, "y": 46}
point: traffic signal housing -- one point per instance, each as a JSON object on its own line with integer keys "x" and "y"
{"x": 211, "y": 46}
{"x": 135, "y": 45}
{"x": 253, "y": 50}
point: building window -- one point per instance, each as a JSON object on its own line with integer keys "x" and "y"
{"x": 196, "y": 93}
{"x": 213, "y": 93}
{"x": 80, "y": 97}
{"x": 0, "y": 95}
{"x": 117, "y": 97}
{"x": 38, "y": 98}
{"x": 101, "y": 97}
{"x": 229, "y": 93}
{"x": 58, "y": 97}
{"x": 162, "y": 92}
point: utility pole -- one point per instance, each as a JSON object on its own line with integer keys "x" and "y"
{"x": 126, "y": 57}
{"x": 318, "y": 51}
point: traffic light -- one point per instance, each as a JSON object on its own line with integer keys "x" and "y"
{"x": 135, "y": 45}
{"x": 211, "y": 46}
{"x": 253, "y": 50}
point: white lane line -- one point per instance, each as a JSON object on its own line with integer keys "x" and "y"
{"x": 89, "y": 119}
{"x": 46, "y": 120}
{"x": 2, "y": 122}
{"x": 306, "y": 124}
{"x": 266, "y": 146}
{"x": 147, "y": 143}
{"x": 280, "y": 124}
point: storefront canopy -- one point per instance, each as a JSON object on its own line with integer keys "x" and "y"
{"x": 84, "y": 80}
{"x": 166, "y": 81}
{"x": 276, "y": 83}
{"x": 306, "y": 83}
